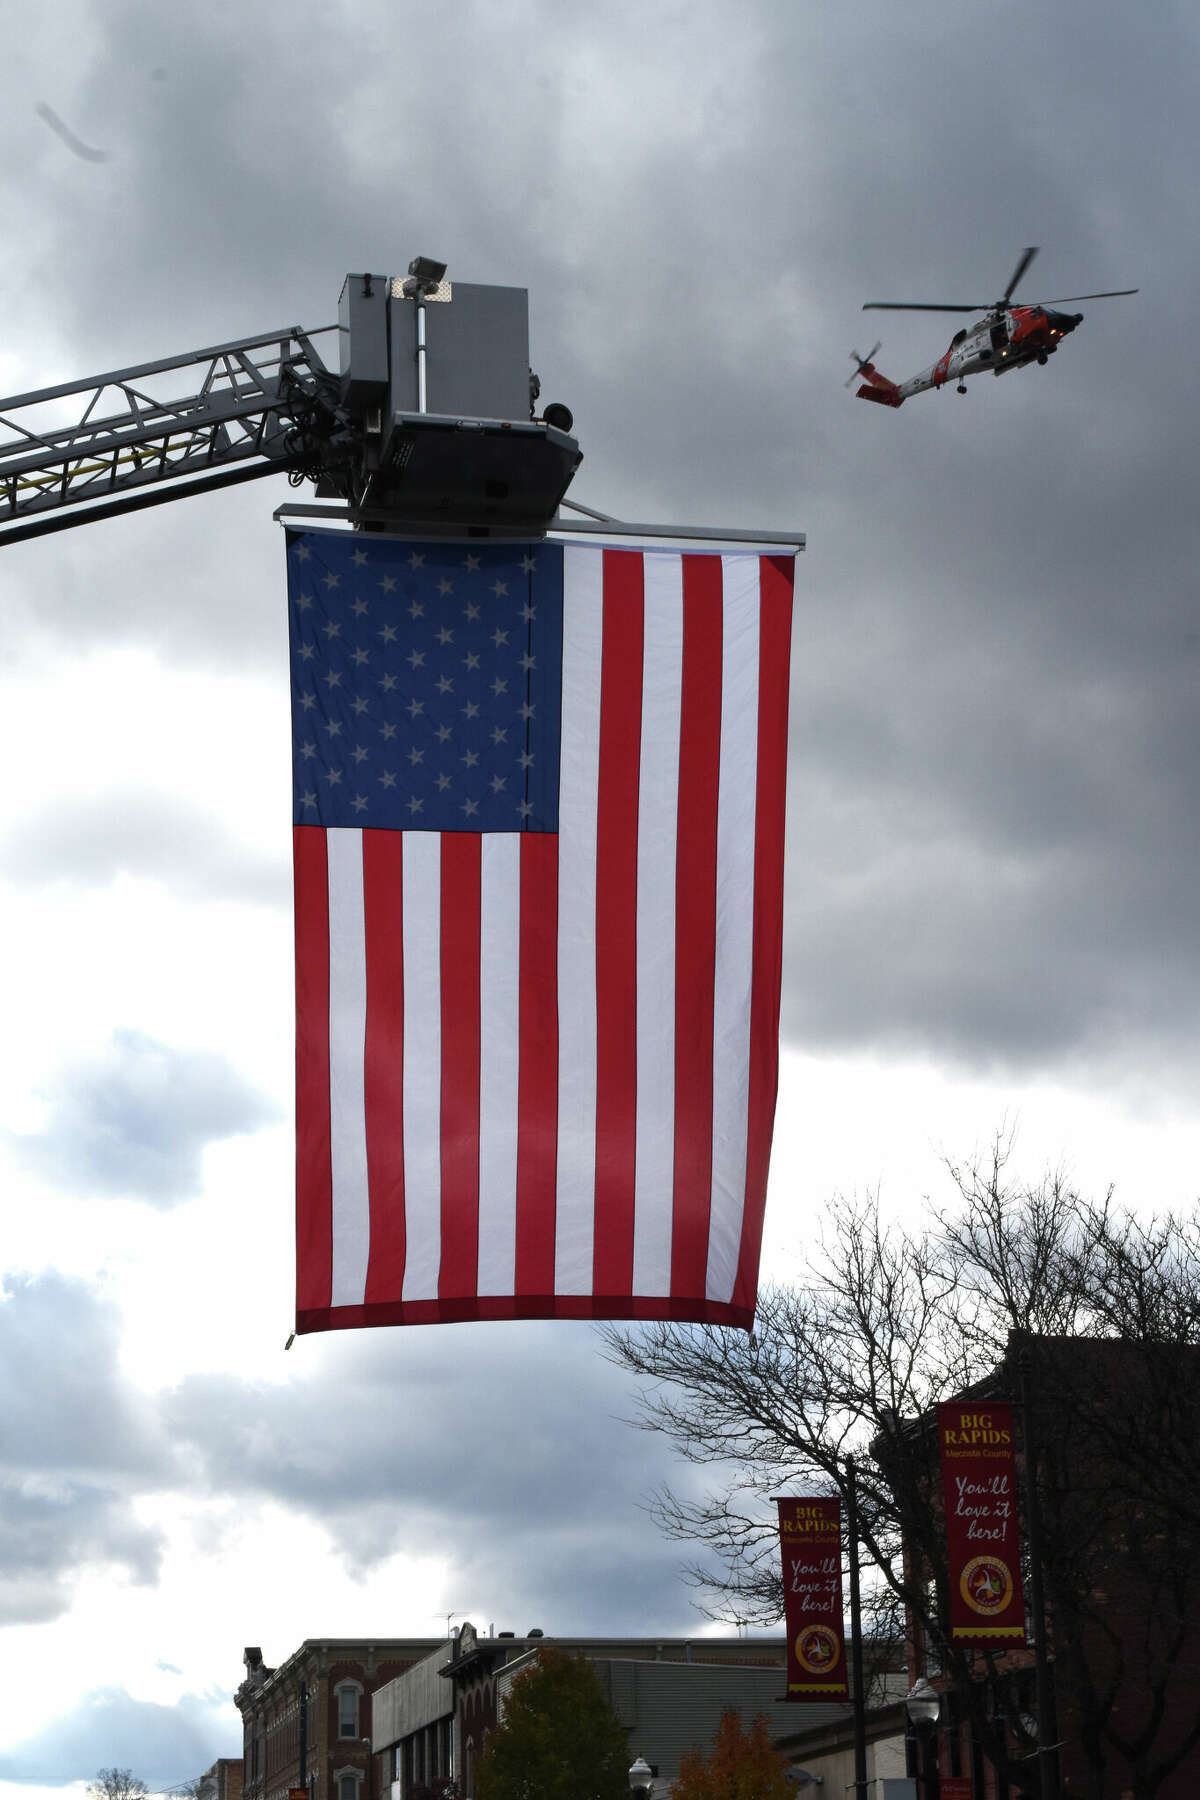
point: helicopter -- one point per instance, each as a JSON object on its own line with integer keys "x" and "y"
{"x": 1007, "y": 337}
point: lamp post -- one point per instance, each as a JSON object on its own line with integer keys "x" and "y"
{"x": 923, "y": 1706}
{"x": 641, "y": 1779}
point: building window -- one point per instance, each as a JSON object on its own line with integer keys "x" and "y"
{"x": 347, "y": 1705}
{"x": 347, "y": 1783}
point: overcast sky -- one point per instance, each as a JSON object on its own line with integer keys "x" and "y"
{"x": 992, "y": 816}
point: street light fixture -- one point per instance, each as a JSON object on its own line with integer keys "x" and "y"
{"x": 923, "y": 1705}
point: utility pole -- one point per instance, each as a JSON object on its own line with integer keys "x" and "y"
{"x": 856, "y": 1648}
{"x": 1047, "y": 1750}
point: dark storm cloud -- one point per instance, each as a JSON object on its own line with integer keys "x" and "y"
{"x": 135, "y": 1121}
{"x": 992, "y": 815}
{"x": 78, "y": 1446}
{"x": 163, "y": 1745}
{"x": 141, "y": 833}
{"x": 508, "y": 1456}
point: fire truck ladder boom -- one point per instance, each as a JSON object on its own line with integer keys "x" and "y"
{"x": 111, "y": 444}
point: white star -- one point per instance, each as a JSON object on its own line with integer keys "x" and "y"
{"x": 499, "y": 735}
{"x": 499, "y": 637}
{"x": 334, "y": 678}
{"x": 360, "y": 804}
{"x": 416, "y": 756}
{"x": 308, "y": 799}
{"x": 529, "y": 563}
{"x": 499, "y": 687}
{"x": 334, "y": 776}
{"x": 497, "y": 784}
{"x": 308, "y": 700}
{"x": 387, "y": 779}
{"x": 471, "y": 758}
{"x": 416, "y": 610}
{"x": 360, "y": 557}
{"x": 528, "y": 662}
{"x": 471, "y": 709}
{"x": 387, "y": 731}
{"x": 526, "y": 759}
{"x": 332, "y": 580}
{"x": 525, "y": 807}
{"x": 528, "y": 612}
{"x": 360, "y": 657}
{"x": 443, "y": 782}
{"x": 416, "y": 560}
{"x": 445, "y": 636}
{"x": 472, "y": 563}
{"x": 360, "y": 706}
{"x": 387, "y": 683}
{"x": 359, "y": 608}
{"x": 415, "y": 707}
{"x": 308, "y": 749}
{"x": 471, "y": 611}
{"x": 415, "y": 805}
{"x": 443, "y": 733}
{"x": 469, "y": 807}
{"x": 499, "y": 588}
{"x": 304, "y": 601}
{"x": 388, "y": 584}
{"x": 415, "y": 658}
{"x": 360, "y": 755}
{"x": 388, "y": 634}
{"x": 445, "y": 685}
{"x": 302, "y": 552}
{"x": 307, "y": 652}
{"x": 334, "y": 728}
{"x": 332, "y": 630}
{"x": 470, "y": 660}
{"x": 445, "y": 587}
{"x": 526, "y": 710}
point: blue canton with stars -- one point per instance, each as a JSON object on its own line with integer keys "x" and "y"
{"x": 426, "y": 683}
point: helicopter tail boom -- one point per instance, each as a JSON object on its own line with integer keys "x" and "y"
{"x": 877, "y": 387}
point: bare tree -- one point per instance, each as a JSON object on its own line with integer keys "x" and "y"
{"x": 853, "y": 1361}
{"x": 116, "y": 1784}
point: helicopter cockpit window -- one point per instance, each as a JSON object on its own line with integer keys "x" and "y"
{"x": 959, "y": 336}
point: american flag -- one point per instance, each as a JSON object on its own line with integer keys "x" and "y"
{"x": 539, "y": 810}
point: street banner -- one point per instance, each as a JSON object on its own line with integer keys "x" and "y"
{"x": 538, "y": 848}
{"x": 810, "y": 1536}
{"x": 983, "y": 1539}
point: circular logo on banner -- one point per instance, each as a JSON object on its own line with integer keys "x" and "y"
{"x": 817, "y": 1649}
{"x": 986, "y": 1585}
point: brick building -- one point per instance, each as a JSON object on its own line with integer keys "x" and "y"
{"x": 307, "y": 1723}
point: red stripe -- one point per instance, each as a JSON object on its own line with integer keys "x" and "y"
{"x": 616, "y": 921}
{"x": 383, "y": 1072}
{"x": 696, "y": 922}
{"x": 314, "y": 1174}
{"x": 775, "y": 616}
{"x": 519, "y": 1306}
{"x": 459, "y": 1271}
{"x": 537, "y": 1077}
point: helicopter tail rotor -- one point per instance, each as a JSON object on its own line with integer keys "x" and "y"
{"x": 875, "y": 386}
{"x": 862, "y": 364}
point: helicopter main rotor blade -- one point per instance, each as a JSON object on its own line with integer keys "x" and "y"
{"x": 1108, "y": 294}
{"x": 921, "y": 306}
{"x": 1027, "y": 257}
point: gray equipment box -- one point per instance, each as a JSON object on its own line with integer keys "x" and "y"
{"x": 476, "y": 351}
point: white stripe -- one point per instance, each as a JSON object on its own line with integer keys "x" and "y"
{"x": 583, "y": 577}
{"x": 422, "y": 927}
{"x": 351, "y": 1208}
{"x": 736, "y": 809}
{"x": 499, "y": 1054}
{"x": 658, "y": 819}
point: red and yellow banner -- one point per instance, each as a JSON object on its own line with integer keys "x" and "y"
{"x": 810, "y": 1535}
{"x": 983, "y": 1539}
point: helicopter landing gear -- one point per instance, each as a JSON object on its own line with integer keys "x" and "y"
{"x": 962, "y": 387}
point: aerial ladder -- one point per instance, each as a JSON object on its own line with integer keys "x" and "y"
{"x": 420, "y": 414}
